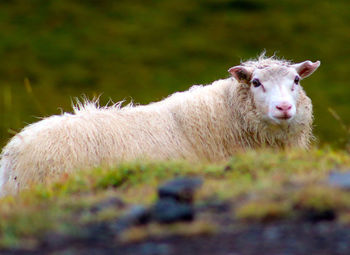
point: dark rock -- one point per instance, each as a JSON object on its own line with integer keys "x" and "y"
{"x": 110, "y": 202}
{"x": 180, "y": 189}
{"x": 151, "y": 248}
{"x": 215, "y": 206}
{"x": 97, "y": 232}
{"x": 316, "y": 216}
{"x": 137, "y": 215}
{"x": 54, "y": 239}
{"x": 170, "y": 210}
{"x": 340, "y": 179}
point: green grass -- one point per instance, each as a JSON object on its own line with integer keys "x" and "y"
{"x": 52, "y": 51}
{"x": 261, "y": 186}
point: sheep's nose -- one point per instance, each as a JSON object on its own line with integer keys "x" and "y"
{"x": 284, "y": 107}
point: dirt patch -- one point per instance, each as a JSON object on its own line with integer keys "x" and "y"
{"x": 257, "y": 239}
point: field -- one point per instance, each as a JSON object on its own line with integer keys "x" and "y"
{"x": 293, "y": 195}
{"x": 258, "y": 202}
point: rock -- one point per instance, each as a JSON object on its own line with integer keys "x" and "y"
{"x": 180, "y": 189}
{"x": 174, "y": 204}
{"x": 137, "y": 215}
{"x": 109, "y": 202}
{"x": 170, "y": 210}
{"x": 154, "y": 249}
{"x": 55, "y": 240}
{"x": 175, "y": 200}
{"x": 214, "y": 205}
{"x": 97, "y": 232}
{"x": 316, "y": 216}
{"x": 340, "y": 179}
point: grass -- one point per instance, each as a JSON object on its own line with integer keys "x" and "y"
{"x": 261, "y": 185}
{"x": 155, "y": 230}
{"x": 54, "y": 51}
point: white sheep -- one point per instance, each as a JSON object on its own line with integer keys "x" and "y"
{"x": 262, "y": 104}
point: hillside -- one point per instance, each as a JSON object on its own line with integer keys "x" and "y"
{"x": 293, "y": 202}
{"x": 258, "y": 202}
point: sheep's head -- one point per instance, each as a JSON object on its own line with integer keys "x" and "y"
{"x": 275, "y": 87}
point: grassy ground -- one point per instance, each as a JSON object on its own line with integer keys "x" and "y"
{"x": 52, "y": 51}
{"x": 256, "y": 187}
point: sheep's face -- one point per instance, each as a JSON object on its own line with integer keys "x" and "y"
{"x": 275, "y": 89}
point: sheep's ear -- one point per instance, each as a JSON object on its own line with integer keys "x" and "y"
{"x": 241, "y": 73}
{"x": 306, "y": 68}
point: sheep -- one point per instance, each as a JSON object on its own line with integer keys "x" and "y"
{"x": 261, "y": 104}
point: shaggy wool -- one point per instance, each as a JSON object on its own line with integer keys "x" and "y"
{"x": 205, "y": 123}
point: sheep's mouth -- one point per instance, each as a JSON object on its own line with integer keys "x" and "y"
{"x": 284, "y": 117}
{"x": 281, "y": 119}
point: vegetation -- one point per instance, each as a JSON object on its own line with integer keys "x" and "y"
{"x": 53, "y": 51}
{"x": 258, "y": 186}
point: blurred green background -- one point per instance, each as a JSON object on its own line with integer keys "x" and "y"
{"x": 53, "y": 51}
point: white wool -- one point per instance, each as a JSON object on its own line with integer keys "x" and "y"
{"x": 205, "y": 123}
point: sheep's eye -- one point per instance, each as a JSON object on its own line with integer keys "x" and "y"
{"x": 256, "y": 83}
{"x": 296, "y": 80}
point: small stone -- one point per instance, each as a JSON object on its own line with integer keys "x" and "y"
{"x": 97, "y": 232}
{"x": 271, "y": 233}
{"x": 170, "y": 210}
{"x": 109, "y": 202}
{"x": 216, "y": 206}
{"x": 53, "y": 239}
{"x": 180, "y": 189}
{"x": 154, "y": 249}
{"x": 340, "y": 179}
{"x": 137, "y": 215}
{"x": 316, "y": 216}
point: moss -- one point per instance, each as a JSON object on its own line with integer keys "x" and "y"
{"x": 263, "y": 211}
{"x": 344, "y": 218}
{"x": 155, "y": 230}
{"x": 321, "y": 198}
